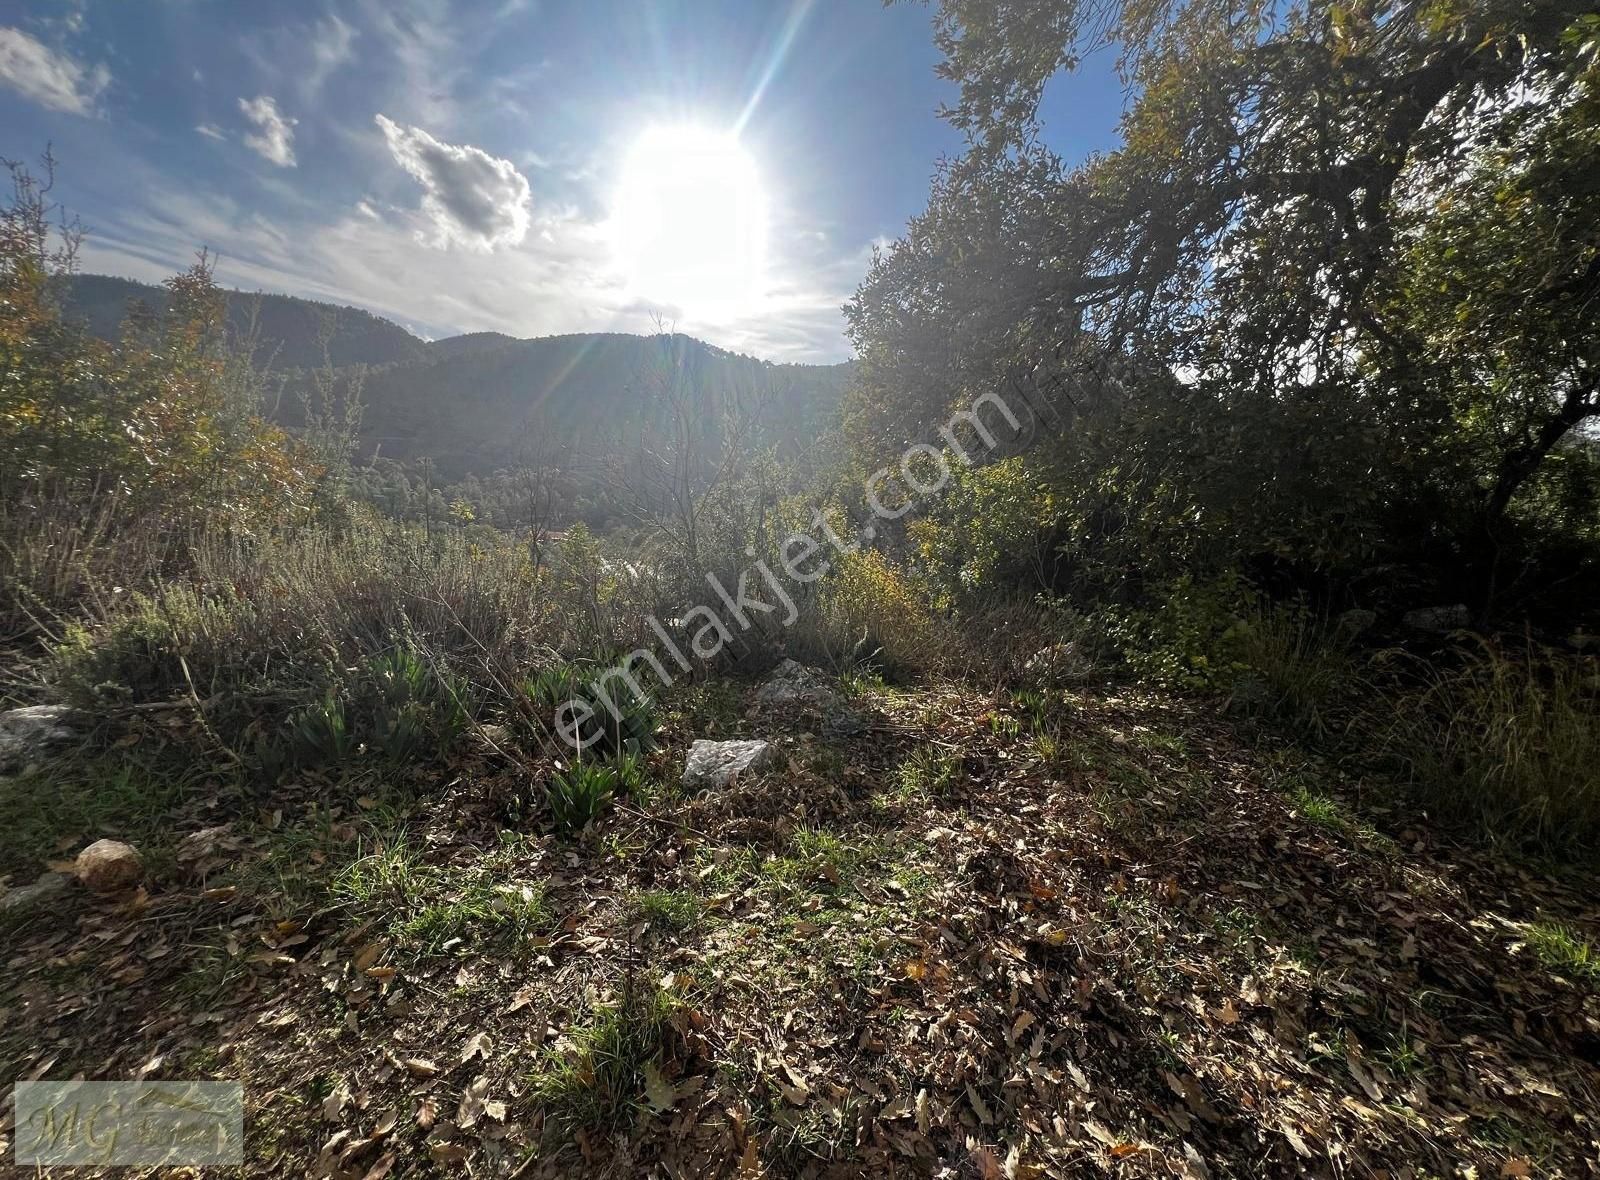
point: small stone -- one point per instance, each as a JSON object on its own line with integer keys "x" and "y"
{"x": 109, "y": 866}
{"x": 1356, "y": 621}
{"x": 843, "y": 722}
{"x": 1438, "y": 619}
{"x": 28, "y": 734}
{"x": 791, "y": 685}
{"x": 48, "y": 888}
{"x": 495, "y": 739}
{"x": 199, "y": 845}
{"x": 1059, "y": 663}
{"x": 716, "y": 764}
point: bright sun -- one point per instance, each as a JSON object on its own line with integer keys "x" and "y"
{"x": 691, "y": 222}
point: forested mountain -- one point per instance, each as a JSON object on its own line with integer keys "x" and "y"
{"x": 484, "y": 400}
{"x": 469, "y": 342}
{"x": 288, "y": 329}
{"x": 476, "y": 409}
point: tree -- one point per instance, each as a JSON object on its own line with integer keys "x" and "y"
{"x": 1303, "y": 265}
{"x": 165, "y": 421}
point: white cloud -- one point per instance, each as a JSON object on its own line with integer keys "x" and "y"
{"x": 49, "y": 78}
{"x": 471, "y": 198}
{"x": 211, "y": 131}
{"x": 274, "y": 139}
{"x": 332, "y": 44}
{"x": 302, "y": 55}
{"x": 420, "y": 42}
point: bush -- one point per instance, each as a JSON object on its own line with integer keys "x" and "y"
{"x": 413, "y": 704}
{"x": 1276, "y": 660}
{"x": 64, "y": 550}
{"x": 157, "y": 645}
{"x": 1190, "y": 638}
{"x": 994, "y": 527}
{"x": 1508, "y": 740}
{"x": 170, "y": 415}
{"x": 319, "y": 734}
{"x": 606, "y": 732}
{"x": 579, "y": 795}
{"x": 284, "y": 616}
{"x": 871, "y": 613}
{"x": 1296, "y": 667}
{"x": 1000, "y": 637}
{"x": 400, "y": 706}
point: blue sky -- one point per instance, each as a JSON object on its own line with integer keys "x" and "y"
{"x": 455, "y": 166}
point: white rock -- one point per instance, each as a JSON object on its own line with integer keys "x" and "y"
{"x": 716, "y": 764}
{"x": 1439, "y": 619}
{"x": 28, "y": 734}
{"x": 792, "y": 683}
{"x": 1060, "y": 662}
{"x": 109, "y": 866}
{"x": 46, "y": 889}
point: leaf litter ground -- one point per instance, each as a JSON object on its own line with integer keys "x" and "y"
{"x": 1101, "y": 933}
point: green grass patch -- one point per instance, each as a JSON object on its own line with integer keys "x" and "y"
{"x": 815, "y": 862}
{"x": 428, "y": 909}
{"x": 668, "y": 909}
{"x": 598, "y": 1078}
{"x": 712, "y": 707}
{"x": 1565, "y": 952}
{"x": 375, "y": 874}
{"x": 1161, "y": 743}
{"x": 1333, "y": 816}
{"x": 1507, "y": 740}
{"x": 927, "y": 774}
{"x": 63, "y": 806}
{"x": 479, "y": 913}
{"x": 861, "y": 682}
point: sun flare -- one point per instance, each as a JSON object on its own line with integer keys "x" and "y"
{"x": 691, "y": 225}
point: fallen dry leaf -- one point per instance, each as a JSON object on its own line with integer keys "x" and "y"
{"x": 472, "y": 1106}
{"x": 477, "y": 1046}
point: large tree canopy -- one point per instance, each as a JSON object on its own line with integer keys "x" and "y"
{"x": 1333, "y": 301}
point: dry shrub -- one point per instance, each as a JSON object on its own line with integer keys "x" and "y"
{"x": 1510, "y": 740}
{"x": 870, "y": 612}
{"x": 62, "y": 552}
{"x": 999, "y": 639}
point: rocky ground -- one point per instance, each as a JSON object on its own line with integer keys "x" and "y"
{"x": 922, "y": 933}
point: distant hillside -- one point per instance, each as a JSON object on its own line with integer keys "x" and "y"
{"x": 481, "y": 401}
{"x": 483, "y": 407}
{"x": 288, "y": 328}
{"x": 471, "y": 342}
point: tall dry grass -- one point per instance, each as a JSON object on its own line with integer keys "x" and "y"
{"x": 1509, "y": 739}
{"x": 65, "y": 551}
